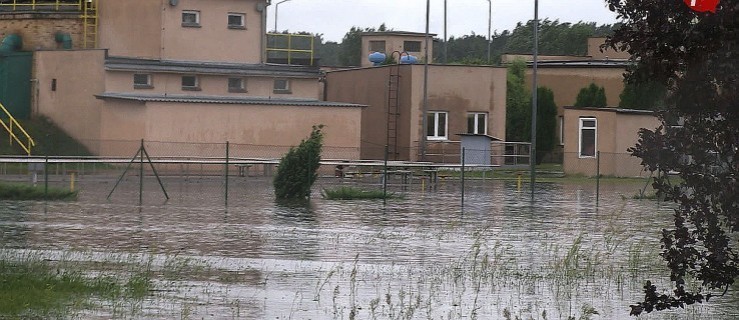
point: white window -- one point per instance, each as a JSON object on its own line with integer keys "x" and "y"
{"x": 190, "y": 18}
{"x": 190, "y": 83}
{"x": 236, "y": 85}
{"x": 142, "y": 81}
{"x": 236, "y": 21}
{"x": 281, "y": 86}
{"x": 588, "y": 137}
{"x": 437, "y": 125}
{"x": 477, "y": 123}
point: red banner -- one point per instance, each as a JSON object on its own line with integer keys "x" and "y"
{"x": 702, "y": 5}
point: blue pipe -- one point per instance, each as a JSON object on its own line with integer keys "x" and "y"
{"x": 10, "y": 43}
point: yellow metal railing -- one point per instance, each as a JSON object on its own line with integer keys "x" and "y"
{"x": 289, "y": 49}
{"x": 12, "y": 123}
{"x": 54, "y": 5}
{"x": 90, "y": 21}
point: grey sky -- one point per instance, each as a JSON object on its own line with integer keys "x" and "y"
{"x": 333, "y": 18}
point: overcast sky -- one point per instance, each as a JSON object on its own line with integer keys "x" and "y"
{"x": 333, "y": 18}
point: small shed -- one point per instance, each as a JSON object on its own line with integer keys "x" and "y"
{"x": 476, "y": 148}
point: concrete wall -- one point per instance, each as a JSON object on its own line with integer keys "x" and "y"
{"x": 270, "y": 130}
{"x": 122, "y": 37}
{"x": 214, "y": 85}
{"x": 566, "y": 83}
{"x": 159, "y": 33}
{"x": 594, "y": 50}
{"x": 616, "y": 132}
{"x": 72, "y": 106}
{"x": 394, "y": 43}
{"x": 38, "y": 30}
{"x": 455, "y": 89}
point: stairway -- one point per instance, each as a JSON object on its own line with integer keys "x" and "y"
{"x": 12, "y": 127}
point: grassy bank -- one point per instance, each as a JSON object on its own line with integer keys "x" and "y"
{"x": 36, "y": 288}
{"x": 50, "y": 140}
{"x": 27, "y": 192}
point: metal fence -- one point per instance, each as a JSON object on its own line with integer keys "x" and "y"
{"x": 226, "y": 170}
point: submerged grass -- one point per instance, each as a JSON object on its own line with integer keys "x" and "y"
{"x": 349, "y": 193}
{"x": 26, "y": 192}
{"x": 33, "y": 287}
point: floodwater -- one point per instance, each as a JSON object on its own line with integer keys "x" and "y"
{"x": 425, "y": 256}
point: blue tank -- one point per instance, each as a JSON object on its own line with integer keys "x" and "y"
{"x": 377, "y": 58}
{"x": 408, "y": 59}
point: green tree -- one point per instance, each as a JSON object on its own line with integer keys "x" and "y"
{"x": 298, "y": 169}
{"x": 351, "y": 45}
{"x": 591, "y": 96}
{"x": 546, "y": 123}
{"x": 518, "y": 104}
{"x": 646, "y": 95}
{"x": 695, "y": 56}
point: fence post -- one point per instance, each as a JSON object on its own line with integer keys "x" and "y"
{"x": 46, "y": 177}
{"x": 141, "y": 172}
{"x": 384, "y": 178}
{"x": 226, "y": 173}
{"x": 597, "y": 177}
{"x": 463, "y": 160}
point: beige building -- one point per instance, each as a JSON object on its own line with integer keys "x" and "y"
{"x": 604, "y": 132}
{"x": 396, "y": 43}
{"x": 461, "y": 99}
{"x": 186, "y": 71}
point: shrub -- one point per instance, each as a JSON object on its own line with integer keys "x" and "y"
{"x": 298, "y": 169}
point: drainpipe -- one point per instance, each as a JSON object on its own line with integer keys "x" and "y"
{"x": 10, "y": 43}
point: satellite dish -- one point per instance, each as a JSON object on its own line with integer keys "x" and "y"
{"x": 173, "y": 2}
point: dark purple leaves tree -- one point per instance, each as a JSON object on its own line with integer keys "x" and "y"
{"x": 695, "y": 151}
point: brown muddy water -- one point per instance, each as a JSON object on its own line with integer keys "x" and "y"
{"x": 501, "y": 256}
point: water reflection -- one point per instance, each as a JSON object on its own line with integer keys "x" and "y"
{"x": 319, "y": 259}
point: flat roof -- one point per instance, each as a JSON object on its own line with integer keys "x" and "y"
{"x": 210, "y": 67}
{"x": 397, "y": 33}
{"x": 589, "y": 63}
{"x": 613, "y": 109}
{"x": 176, "y": 98}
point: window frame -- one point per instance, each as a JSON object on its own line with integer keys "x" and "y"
{"x": 594, "y": 128}
{"x": 242, "y": 86}
{"x": 147, "y": 85}
{"x": 372, "y": 49}
{"x": 195, "y": 87}
{"x": 475, "y": 116}
{"x": 241, "y": 26}
{"x": 407, "y": 42}
{"x": 285, "y": 90}
{"x": 434, "y": 125}
{"x": 187, "y": 24}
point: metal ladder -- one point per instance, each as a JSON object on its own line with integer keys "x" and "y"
{"x": 90, "y": 24}
{"x": 393, "y": 112}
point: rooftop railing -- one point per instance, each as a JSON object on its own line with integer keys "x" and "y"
{"x": 45, "y": 5}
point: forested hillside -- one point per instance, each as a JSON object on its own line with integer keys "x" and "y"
{"x": 555, "y": 38}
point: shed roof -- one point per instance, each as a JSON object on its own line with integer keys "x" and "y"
{"x": 209, "y": 67}
{"x": 223, "y": 100}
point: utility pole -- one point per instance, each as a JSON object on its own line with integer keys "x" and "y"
{"x": 532, "y": 158}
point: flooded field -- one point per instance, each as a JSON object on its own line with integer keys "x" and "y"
{"x": 425, "y": 256}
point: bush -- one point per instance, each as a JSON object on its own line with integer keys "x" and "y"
{"x": 298, "y": 169}
{"x": 591, "y": 96}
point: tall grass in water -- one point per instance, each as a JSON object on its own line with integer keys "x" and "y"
{"x": 349, "y": 193}
{"x": 26, "y": 192}
{"x": 33, "y": 287}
